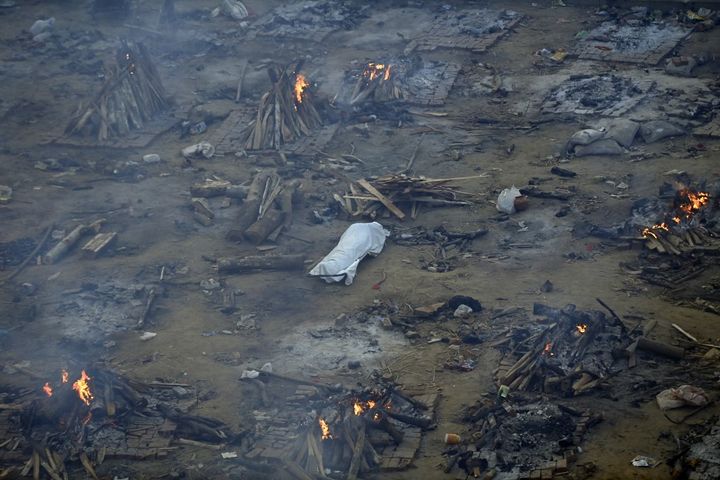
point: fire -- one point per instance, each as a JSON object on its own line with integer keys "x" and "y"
{"x": 688, "y": 203}
{"x": 47, "y": 389}
{"x": 652, "y": 231}
{"x": 582, "y": 328}
{"x": 377, "y": 70}
{"x": 64, "y": 376}
{"x": 548, "y": 349}
{"x": 325, "y": 429}
{"x": 693, "y": 201}
{"x": 82, "y": 387}
{"x": 359, "y": 406}
{"x": 300, "y": 85}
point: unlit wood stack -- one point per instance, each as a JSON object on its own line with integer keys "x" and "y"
{"x": 285, "y": 113}
{"x": 369, "y": 197}
{"x": 131, "y": 96}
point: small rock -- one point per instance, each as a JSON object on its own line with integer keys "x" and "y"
{"x": 147, "y": 336}
{"x": 353, "y": 364}
{"x": 547, "y": 287}
{"x": 462, "y": 311}
{"x": 6, "y": 194}
{"x": 181, "y": 392}
{"x": 151, "y": 158}
{"x": 387, "y": 323}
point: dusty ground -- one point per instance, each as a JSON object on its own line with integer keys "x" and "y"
{"x": 149, "y": 209}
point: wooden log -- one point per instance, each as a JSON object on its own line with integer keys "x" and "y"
{"x": 383, "y": 424}
{"x": 230, "y": 265}
{"x": 251, "y": 205}
{"x": 238, "y": 92}
{"x": 96, "y": 245}
{"x": 148, "y": 306}
{"x": 260, "y": 230}
{"x": 422, "y": 422}
{"x": 296, "y": 470}
{"x": 660, "y": 348}
{"x": 357, "y": 454}
{"x": 382, "y": 198}
{"x": 59, "y": 250}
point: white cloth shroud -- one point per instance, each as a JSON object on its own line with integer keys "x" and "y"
{"x": 358, "y": 241}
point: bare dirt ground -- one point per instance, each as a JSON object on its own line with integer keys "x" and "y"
{"x": 148, "y": 205}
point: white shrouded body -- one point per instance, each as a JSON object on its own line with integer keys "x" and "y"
{"x": 358, "y": 241}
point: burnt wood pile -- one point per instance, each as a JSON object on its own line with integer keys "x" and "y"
{"x": 376, "y": 82}
{"x": 321, "y": 428}
{"x": 79, "y": 420}
{"x": 286, "y": 112}
{"x": 130, "y": 97}
{"x": 530, "y": 438}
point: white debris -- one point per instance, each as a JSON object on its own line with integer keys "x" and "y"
{"x": 147, "y": 336}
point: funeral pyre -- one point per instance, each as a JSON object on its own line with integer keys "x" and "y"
{"x": 312, "y": 429}
{"x": 84, "y": 417}
{"x": 681, "y": 230}
{"x": 131, "y": 96}
{"x": 286, "y": 112}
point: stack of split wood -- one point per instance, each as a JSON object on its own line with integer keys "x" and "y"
{"x": 678, "y": 242}
{"x": 368, "y": 197}
{"x": 267, "y": 209}
{"x": 286, "y": 112}
{"x": 376, "y": 82}
{"x": 131, "y": 96}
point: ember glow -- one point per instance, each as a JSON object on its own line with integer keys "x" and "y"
{"x": 377, "y": 70}
{"x": 64, "y": 376}
{"x": 653, "y": 231}
{"x": 548, "y": 349}
{"x": 300, "y": 85}
{"x": 47, "y": 389}
{"x": 582, "y": 328}
{"x": 82, "y": 387}
{"x": 359, "y": 406}
{"x": 325, "y": 429}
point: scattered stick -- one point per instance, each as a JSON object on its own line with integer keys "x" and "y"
{"x": 689, "y": 337}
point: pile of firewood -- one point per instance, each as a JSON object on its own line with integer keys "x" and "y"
{"x": 376, "y": 82}
{"x": 678, "y": 242}
{"x": 131, "y": 96}
{"x": 286, "y": 112}
{"x": 369, "y": 197}
{"x": 78, "y": 419}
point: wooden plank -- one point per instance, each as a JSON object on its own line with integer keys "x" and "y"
{"x": 382, "y": 198}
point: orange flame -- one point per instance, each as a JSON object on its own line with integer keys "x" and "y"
{"x": 300, "y": 85}
{"x": 47, "y": 389}
{"x": 325, "y": 429}
{"x": 359, "y": 406}
{"x": 582, "y": 328}
{"x": 82, "y": 387}
{"x": 64, "y": 376}
{"x": 376, "y": 70}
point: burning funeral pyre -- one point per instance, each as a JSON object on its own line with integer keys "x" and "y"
{"x": 681, "y": 230}
{"x": 571, "y": 354}
{"x": 324, "y": 428}
{"x": 376, "y": 82}
{"x": 131, "y": 96}
{"x": 286, "y": 112}
{"x": 90, "y": 415}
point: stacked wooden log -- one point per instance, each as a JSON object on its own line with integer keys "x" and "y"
{"x": 267, "y": 209}
{"x": 554, "y": 357}
{"x": 377, "y": 82}
{"x": 131, "y": 96}
{"x": 285, "y": 113}
{"x": 680, "y": 241}
{"x": 368, "y": 197}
